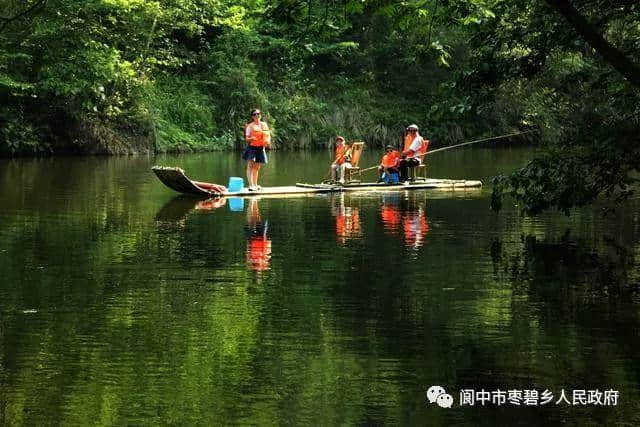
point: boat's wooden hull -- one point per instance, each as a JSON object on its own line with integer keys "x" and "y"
{"x": 175, "y": 179}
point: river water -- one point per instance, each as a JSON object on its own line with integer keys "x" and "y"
{"x": 123, "y": 303}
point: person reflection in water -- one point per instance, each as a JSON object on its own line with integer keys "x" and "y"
{"x": 390, "y": 213}
{"x": 407, "y": 216}
{"x": 415, "y": 227}
{"x": 258, "y": 243}
{"x": 347, "y": 220}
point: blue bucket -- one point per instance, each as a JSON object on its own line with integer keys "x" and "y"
{"x": 235, "y": 184}
{"x": 236, "y": 204}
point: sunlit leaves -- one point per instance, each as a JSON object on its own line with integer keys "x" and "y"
{"x": 354, "y": 6}
{"x": 459, "y": 67}
{"x": 442, "y": 54}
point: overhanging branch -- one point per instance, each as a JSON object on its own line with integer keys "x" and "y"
{"x": 6, "y": 21}
{"x": 612, "y": 55}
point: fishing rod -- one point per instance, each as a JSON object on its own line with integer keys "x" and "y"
{"x": 456, "y": 146}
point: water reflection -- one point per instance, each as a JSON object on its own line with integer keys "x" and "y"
{"x": 112, "y": 305}
{"x": 390, "y": 213}
{"x": 258, "y": 251}
{"x": 406, "y": 212}
{"x": 175, "y": 210}
{"x": 353, "y": 218}
{"x": 211, "y": 204}
{"x": 415, "y": 228}
{"x": 174, "y": 214}
{"x": 347, "y": 218}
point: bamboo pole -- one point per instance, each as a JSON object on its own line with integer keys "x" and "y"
{"x": 456, "y": 146}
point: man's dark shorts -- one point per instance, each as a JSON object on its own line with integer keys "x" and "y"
{"x": 255, "y": 154}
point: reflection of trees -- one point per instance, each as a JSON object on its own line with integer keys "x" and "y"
{"x": 142, "y": 316}
{"x": 507, "y": 314}
{"x": 148, "y": 316}
{"x": 579, "y": 303}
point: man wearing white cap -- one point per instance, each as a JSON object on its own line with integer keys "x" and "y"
{"x": 414, "y": 149}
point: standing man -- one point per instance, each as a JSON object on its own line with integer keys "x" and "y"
{"x": 414, "y": 149}
{"x": 258, "y": 136}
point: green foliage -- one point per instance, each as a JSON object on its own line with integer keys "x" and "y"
{"x": 194, "y": 69}
{"x": 540, "y": 74}
{"x": 183, "y": 116}
{"x": 19, "y": 136}
{"x": 110, "y": 61}
{"x": 96, "y": 59}
{"x": 601, "y": 162}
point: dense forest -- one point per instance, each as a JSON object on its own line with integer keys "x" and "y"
{"x": 122, "y": 76}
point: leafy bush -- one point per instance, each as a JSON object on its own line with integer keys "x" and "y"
{"x": 19, "y": 136}
{"x": 184, "y": 117}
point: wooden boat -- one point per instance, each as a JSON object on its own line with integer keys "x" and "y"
{"x": 176, "y": 179}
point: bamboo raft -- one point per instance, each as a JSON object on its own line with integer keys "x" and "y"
{"x": 176, "y": 179}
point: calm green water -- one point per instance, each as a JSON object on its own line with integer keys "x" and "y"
{"x": 122, "y": 303}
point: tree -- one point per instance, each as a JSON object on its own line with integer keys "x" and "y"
{"x": 28, "y": 9}
{"x": 612, "y": 55}
{"x": 588, "y": 117}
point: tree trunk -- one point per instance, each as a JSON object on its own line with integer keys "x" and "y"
{"x": 612, "y": 55}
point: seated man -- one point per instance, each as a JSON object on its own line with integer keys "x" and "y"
{"x": 341, "y": 160}
{"x": 389, "y": 163}
{"x": 414, "y": 149}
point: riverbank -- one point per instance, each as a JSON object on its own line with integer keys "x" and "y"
{"x": 189, "y": 121}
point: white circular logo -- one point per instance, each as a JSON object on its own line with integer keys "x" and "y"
{"x": 444, "y": 400}
{"x": 433, "y": 393}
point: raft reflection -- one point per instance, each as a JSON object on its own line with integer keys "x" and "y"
{"x": 403, "y": 217}
{"x": 173, "y": 216}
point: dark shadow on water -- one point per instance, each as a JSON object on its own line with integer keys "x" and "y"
{"x": 176, "y": 209}
{"x": 608, "y": 270}
{"x": 179, "y": 207}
